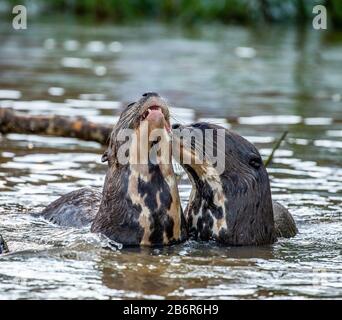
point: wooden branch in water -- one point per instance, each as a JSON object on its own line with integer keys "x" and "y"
{"x": 275, "y": 148}
{"x": 13, "y": 122}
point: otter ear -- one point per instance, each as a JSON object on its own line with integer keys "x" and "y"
{"x": 109, "y": 156}
{"x": 104, "y": 157}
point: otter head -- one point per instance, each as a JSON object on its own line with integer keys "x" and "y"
{"x": 231, "y": 198}
{"x": 140, "y": 203}
{"x": 139, "y": 127}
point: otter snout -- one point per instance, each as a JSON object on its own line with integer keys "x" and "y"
{"x": 155, "y": 117}
{"x": 154, "y": 111}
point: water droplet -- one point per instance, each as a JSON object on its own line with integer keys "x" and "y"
{"x": 245, "y": 52}
{"x": 100, "y": 71}
{"x": 115, "y": 46}
{"x": 70, "y": 62}
{"x": 49, "y": 44}
{"x": 95, "y": 46}
{"x": 56, "y": 91}
{"x": 71, "y": 45}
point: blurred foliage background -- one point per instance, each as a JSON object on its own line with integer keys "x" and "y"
{"x": 187, "y": 11}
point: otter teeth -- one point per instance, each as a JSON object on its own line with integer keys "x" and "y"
{"x": 147, "y": 112}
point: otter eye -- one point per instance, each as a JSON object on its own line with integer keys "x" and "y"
{"x": 255, "y": 162}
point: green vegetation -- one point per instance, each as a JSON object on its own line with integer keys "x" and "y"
{"x": 191, "y": 11}
{"x": 335, "y": 10}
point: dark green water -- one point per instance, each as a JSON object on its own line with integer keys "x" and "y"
{"x": 270, "y": 80}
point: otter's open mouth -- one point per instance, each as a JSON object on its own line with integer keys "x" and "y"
{"x": 156, "y": 114}
{"x": 153, "y": 110}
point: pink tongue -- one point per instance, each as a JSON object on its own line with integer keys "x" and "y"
{"x": 155, "y": 115}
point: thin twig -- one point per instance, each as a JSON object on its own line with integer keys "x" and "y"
{"x": 276, "y": 146}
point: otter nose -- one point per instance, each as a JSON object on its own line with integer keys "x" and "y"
{"x": 150, "y": 94}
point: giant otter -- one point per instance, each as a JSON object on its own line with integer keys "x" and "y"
{"x": 233, "y": 206}
{"x": 139, "y": 204}
{"x": 3, "y": 245}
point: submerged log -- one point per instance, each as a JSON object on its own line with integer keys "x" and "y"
{"x": 13, "y": 122}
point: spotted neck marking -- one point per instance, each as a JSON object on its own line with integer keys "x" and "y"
{"x": 214, "y": 196}
{"x": 161, "y": 211}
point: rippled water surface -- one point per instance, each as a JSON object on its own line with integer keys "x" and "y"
{"x": 258, "y": 82}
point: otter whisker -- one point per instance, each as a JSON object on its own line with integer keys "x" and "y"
{"x": 200, "y": 149}
{"x": 175, "y": 118}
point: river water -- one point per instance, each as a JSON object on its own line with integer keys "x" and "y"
{"x": 259, "y": 82}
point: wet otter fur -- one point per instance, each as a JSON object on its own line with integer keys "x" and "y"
{"x": 139, "y": 204}
{"x": 283, "y": 221}
{"x": 75, "y": 209}
{"x": 233, "y": 207}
